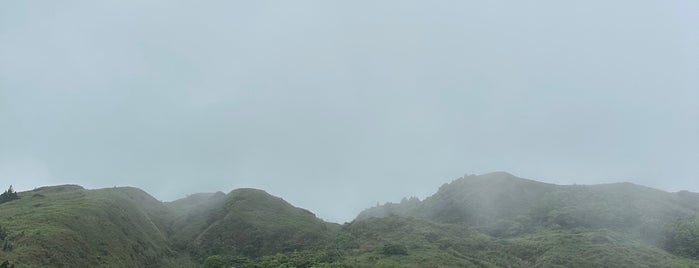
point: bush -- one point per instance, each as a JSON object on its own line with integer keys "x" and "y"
{"x": 3, "y": 233}
{"x": 7, "y": 246}
{"x": 215, "y": 261}
{"x": 6, "y": 264}
{"x": 394, "y": 249}
{"x": 8, "y": 195}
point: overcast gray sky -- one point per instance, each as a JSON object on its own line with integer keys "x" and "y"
{"x": 337, "y": 105}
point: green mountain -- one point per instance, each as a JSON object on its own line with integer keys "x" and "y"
{"x": 502, "y": 205}
{"x": 491, "y": 220}
{"x": 68, "y": 226}
{"x": 430, "y": 244}
{"x": 251, "y": 223}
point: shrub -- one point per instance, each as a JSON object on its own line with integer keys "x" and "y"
{"x": 6, "y": 264}
{"x": 8, "y": 195}
{"x": 7, "y": 246}
{"x": 214, "y": 261}
{"x": 3, "y": 233}
{"x": 394, "y": 249}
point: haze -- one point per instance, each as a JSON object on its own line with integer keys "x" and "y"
{"x": 336, "y": 106}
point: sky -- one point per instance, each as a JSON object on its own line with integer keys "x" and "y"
{"x": 338, "y": 105}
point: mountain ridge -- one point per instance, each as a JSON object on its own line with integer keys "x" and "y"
{"x": 494, "y": 219}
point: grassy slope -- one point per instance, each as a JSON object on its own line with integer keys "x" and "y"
{"x": 69, "y": 226}
{"x": 254, "y": 223}
{"x": 193, "y": 214}
{"x": 503, "y": 205}
{"x": 430, "y": 244}
{"x": 588, "y": 248}
{"x": 618, "y": 224}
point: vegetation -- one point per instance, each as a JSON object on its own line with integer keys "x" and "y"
{"x": 6, "y": 264}
{"x": 70, "y": 226}
{"x": 502, "y": 205}
{"x": 493, "y": 220}
{"x": 394, "y": 249}
{"x": 8, "y": 195}
{"x": 683, "y": 238}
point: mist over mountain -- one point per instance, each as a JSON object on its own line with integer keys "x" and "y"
{"x": 501, "y": 204}
{"x": 489, "y": 220}
{"x": 315, "y": 100}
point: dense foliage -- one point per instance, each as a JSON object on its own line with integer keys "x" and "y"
{"x": 683, "y": 238}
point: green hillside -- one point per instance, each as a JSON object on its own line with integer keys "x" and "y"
{"x": 430, "y": 244}
{"x": 396, "y": 241}
{"x": 68, "y": 226}
{"x": 491, "y": 220}
{"x": 250, "y": 223}
{"x": 503, "y": 205}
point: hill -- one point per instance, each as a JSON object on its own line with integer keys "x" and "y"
{"x": 247, "y": 222}
{"x": 68, "y": 226}
{"x": 503, "y": 205}
{"x": 430, "y": 244}
{"x": 491, "y": 220}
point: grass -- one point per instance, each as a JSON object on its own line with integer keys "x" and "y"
{"x": 67, "y": 226}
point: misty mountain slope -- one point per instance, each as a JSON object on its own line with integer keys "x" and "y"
{"x": 193, "y": 214}
{"x": 482, "y": 200}
{"x": 396, "y": 241}
{"x": 587, "y": 248}
{"x": 251, "y": 222}
{"x": 421, "y": 243}
{"x": 68, "y": 226}
{"x": 473, "y": 200}
{"x": 503, "y": 205}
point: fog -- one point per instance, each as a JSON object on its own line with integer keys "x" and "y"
{"x": 337, "y": 106}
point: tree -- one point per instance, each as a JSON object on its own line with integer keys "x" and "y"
{"x": 684, "y": 238}
{"x": 8, "y": 195}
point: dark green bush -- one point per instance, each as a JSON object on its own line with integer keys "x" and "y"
{"x": 8, "y": 195}
{"x": 394, "y": 249}
{"x": 215, "y": 261}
